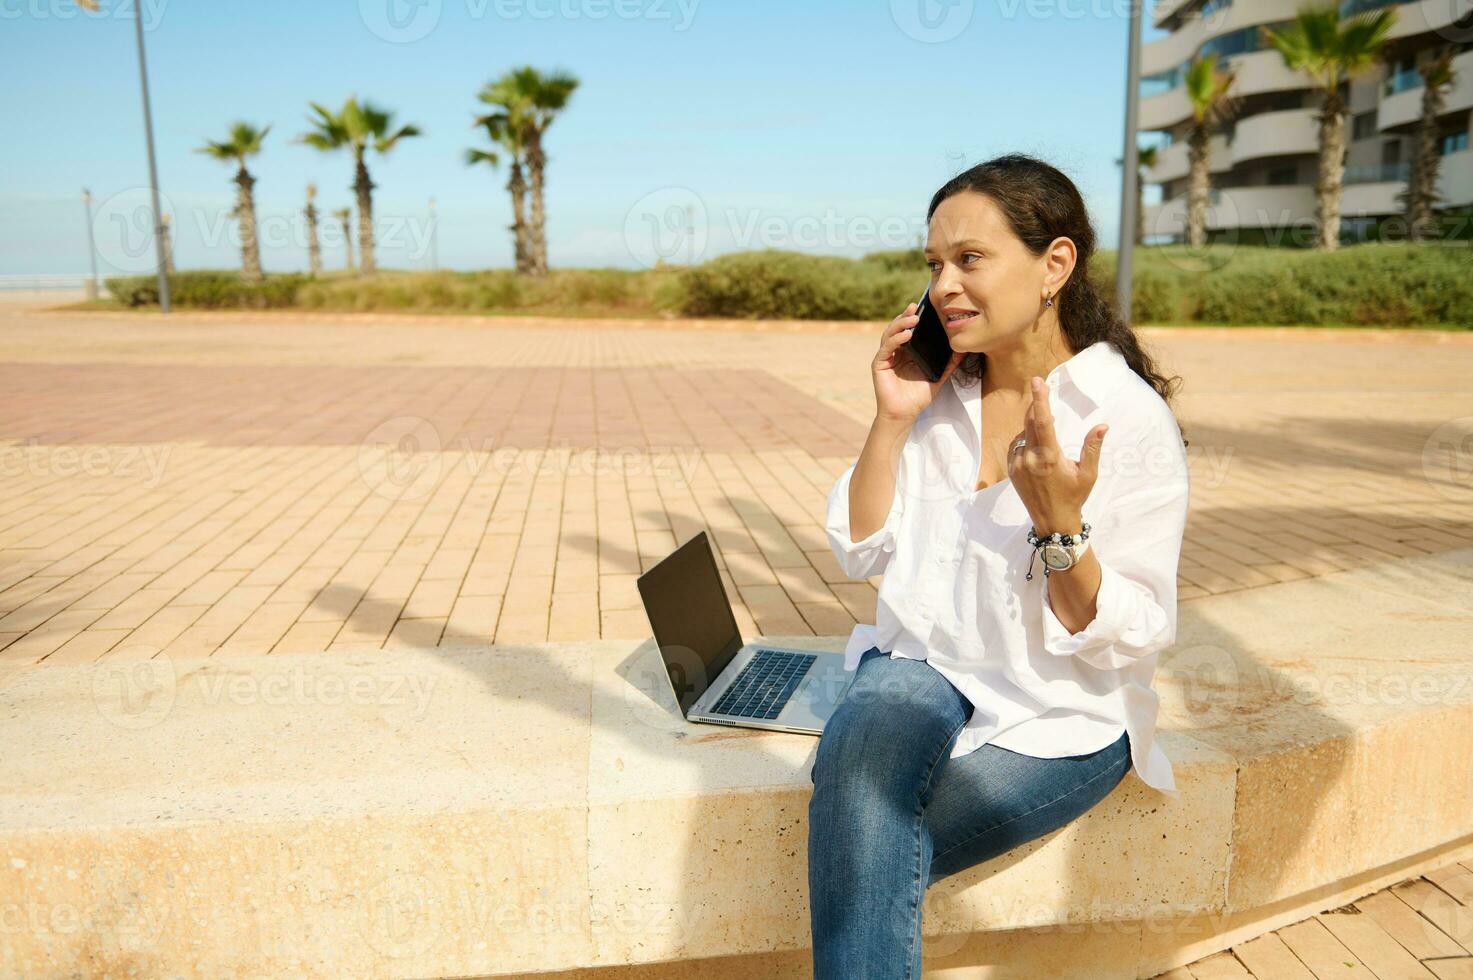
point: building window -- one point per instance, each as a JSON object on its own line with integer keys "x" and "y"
{"x": 1279, "y": 176}
{"x": 1391, "y": 152}
{"x": 1454, "y": 142}
{"x": 1364, "y": 126}
{"x": 1403, "y": 76}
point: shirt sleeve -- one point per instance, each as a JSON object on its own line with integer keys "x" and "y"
{"x": 1138, "y": 549}
{"x": 861, "y": 559}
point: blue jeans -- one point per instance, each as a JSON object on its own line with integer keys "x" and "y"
{"x": 892, "y": 813}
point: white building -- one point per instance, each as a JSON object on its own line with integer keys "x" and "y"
{"x": 1263, "y": 163}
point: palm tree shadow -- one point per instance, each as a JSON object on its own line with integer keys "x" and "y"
{"x": 1218, "y": 687}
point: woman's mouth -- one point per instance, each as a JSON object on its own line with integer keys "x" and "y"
{"x": 957, "y": 321}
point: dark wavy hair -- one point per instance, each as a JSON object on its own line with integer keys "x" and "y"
{"x": 1042, "y": 204}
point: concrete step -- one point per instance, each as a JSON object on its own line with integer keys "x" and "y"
{"x": 519, "y": 809}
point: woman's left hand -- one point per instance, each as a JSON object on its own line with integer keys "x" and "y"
{"x": 1052, "y": 486}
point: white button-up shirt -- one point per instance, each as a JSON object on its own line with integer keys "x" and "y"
{"x": 954, "y": 562}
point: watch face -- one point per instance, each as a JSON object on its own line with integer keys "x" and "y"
{"x": 1055, "y": 556}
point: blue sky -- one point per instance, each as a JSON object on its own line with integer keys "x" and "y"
{"x": 818, "y": 126}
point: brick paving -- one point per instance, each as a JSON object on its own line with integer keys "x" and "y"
{"x": 224, "y": 484}
{"x": 1417, "y": 929}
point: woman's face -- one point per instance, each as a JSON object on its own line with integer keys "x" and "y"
{"x": 979, "y": 264}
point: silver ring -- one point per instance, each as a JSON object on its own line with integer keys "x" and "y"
{"x": 1019, "y": 444}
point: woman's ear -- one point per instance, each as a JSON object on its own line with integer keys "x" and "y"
{"x": 1058, "y": 264}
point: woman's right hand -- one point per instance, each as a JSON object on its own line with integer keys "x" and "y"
{"x": 902, "y": 389}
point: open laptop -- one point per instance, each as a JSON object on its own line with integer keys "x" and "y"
{"x": 717, "y": 677}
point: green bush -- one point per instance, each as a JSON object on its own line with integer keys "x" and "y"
{"x": 209, "y": 289}
{"x": 780, "y": 284}
{"x": 562, "y": 292}
{"x": 1374, "y": 284}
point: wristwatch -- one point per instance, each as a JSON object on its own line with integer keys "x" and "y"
{"x": 1059, "y": 551}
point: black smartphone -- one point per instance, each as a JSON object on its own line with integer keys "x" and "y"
{"x": 928, "y": 344}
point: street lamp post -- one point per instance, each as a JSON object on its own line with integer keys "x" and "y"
{"x": 91, "y": 246}
{"x": 153, "y": 171}
{"x": 1129, "y": 161}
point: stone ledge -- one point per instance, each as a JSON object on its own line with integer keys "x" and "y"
{"x": 519, "y": 809}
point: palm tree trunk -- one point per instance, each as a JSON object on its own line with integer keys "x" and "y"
{"x": 1329, "y": 181}
{"x": 536, "y": 164}
{"x": 250, "y": 248}
{"x": 521, "y": 237}
{"x": 1422, "y": 181}
{"x": 1140, "y": 209}
{"x": 314, "y": 246}
{"x": 363, "y": 188}
{"x": 1198, "y": 156}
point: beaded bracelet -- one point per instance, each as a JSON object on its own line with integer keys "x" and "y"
{"x": 1056, "y": 538}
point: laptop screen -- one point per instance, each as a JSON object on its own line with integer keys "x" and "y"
{"x": 691, "y": 617}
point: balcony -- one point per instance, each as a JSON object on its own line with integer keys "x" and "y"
{"x": 1258, "y": 71}
{"x": 1402, "y": 108}
{"x": 1174, "y": 163}
{"x": 1288, "y": 132}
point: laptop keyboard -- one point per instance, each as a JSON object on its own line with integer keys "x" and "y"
{"x": 764, "y": 685}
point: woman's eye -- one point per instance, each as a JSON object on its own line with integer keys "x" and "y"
{"x": 972, "y": 254}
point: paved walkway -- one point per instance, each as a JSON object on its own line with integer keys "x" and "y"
{"x": 1418, "y": 929}
{"x": 223, "y": 484}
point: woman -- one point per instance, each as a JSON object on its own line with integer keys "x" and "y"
{"x": 993, "y": 705}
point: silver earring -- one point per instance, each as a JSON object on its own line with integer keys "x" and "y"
{"x": 1048, "y": 300}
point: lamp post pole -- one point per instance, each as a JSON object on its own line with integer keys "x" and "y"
{"x": 1129, "y": 162}
{"x": 153, "y": 171}
{"x": 91, "y": 245}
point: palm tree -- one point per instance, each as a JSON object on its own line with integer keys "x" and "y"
{"x": 358, "y": 126}
{"x": 1207, "y": 90}
{"x": 345, "y": 218}
{"x": 314, "y": 247}
{"x": 1330, "y": 51}
{"x": 531, "y": 101}
{"x": 167, "y": 224}
{"x": 1146, "y": 157}
{"x": 503, "y": 130}
{"x": 1436, "y": 68}
{"x": 245, "y": 141}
